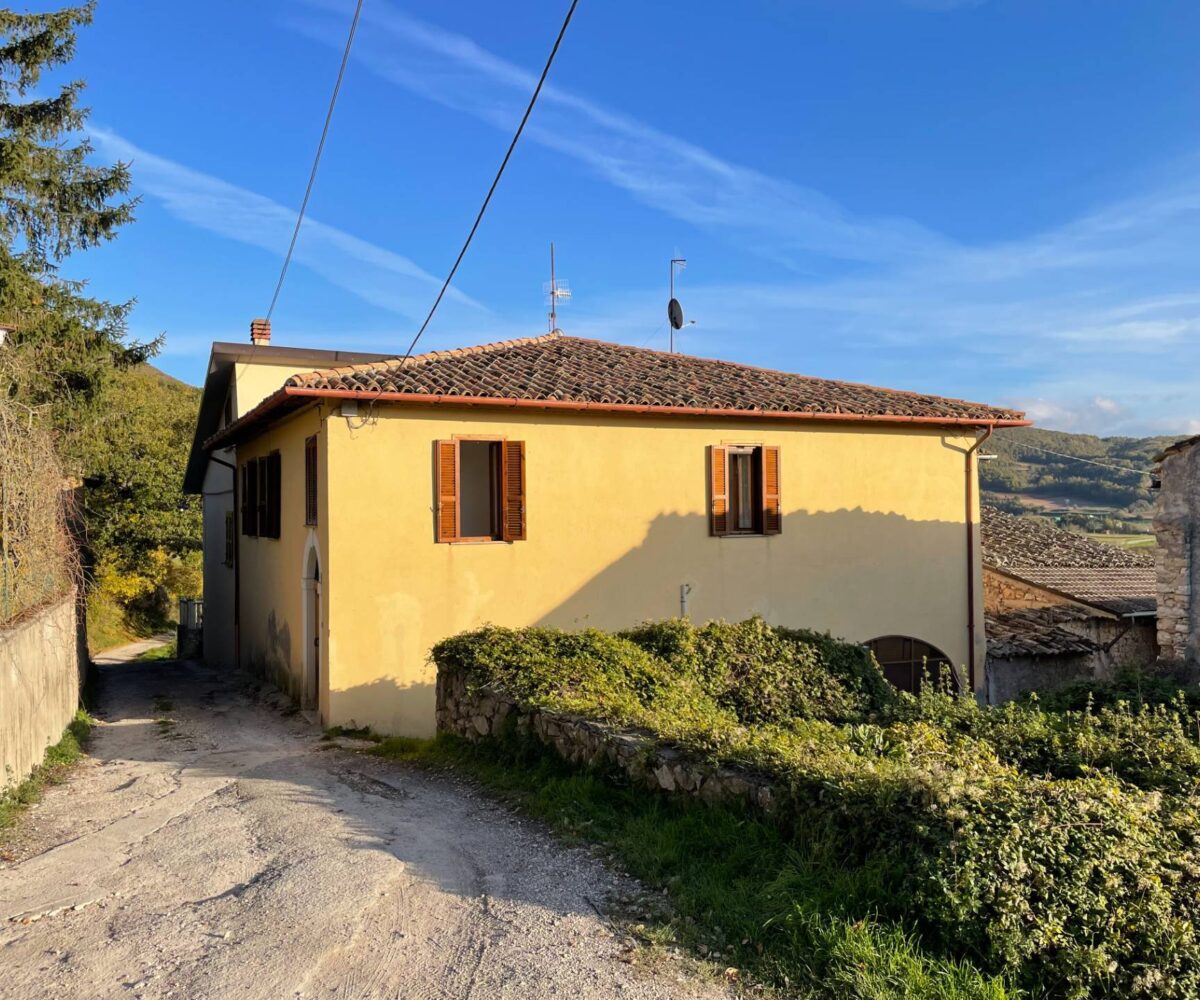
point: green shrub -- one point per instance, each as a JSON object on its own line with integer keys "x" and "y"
{"x": 1055, "y": 848}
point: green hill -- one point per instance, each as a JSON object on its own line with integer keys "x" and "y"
{"x": 1098, "y": 485}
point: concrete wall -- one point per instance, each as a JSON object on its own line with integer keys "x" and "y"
{"x": 873, "y": 540}
{"x": 1177, "y": 525}
{"x": 40, "y": 670}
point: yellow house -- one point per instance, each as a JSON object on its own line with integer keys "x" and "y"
{"x": 561, "y": 481}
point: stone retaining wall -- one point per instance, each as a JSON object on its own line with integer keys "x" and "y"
{"x": 1177, "y": 527}
{"x": 40, "y": 673}
{"x": 485, "y": 714}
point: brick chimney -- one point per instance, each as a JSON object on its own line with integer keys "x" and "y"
{"x": 260, "y": 332}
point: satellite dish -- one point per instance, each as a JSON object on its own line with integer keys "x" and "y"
{"x": 675, "y": 314}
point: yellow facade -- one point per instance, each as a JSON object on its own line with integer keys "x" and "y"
{"x": 873, "y": 542}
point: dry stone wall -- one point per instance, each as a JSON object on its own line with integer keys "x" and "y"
{"x": 485, "y": 714}
{"x": 1176, "y": 524}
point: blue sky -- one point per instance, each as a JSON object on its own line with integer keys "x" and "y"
{"x": 996, "y": 199}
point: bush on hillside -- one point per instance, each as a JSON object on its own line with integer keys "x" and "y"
{"x": 1055, "y": 848}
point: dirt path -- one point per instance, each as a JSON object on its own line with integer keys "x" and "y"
{"x": 230, "y": 852}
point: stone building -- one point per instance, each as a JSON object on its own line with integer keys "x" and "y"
{"x": 1178, "y": 572}
{"x": 1059, "y": 606}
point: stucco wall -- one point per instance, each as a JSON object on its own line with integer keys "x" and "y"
{"x": 1176, "y": 524}
{"x": 274, "y": 624}
{"x": 873, "y": 540}
{"x": 218, "y": 577}
{"x": 39, "y": 687}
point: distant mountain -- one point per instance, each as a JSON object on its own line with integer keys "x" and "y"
{"x": 1053, "y": 472}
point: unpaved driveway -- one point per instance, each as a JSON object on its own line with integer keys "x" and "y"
{"x": 233, "y": 854}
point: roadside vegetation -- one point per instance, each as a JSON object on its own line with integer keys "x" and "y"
{"x": 92, "y": 440}
{"x": 53, "y": 769}
{"x": 924, "y": 847}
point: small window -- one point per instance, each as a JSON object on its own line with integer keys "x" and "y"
{"x": 229, "y": 539}
{"x": 480, "y": 490}
{"x": 906, "y": 661}
{"x": 744, "y": 490}
{"x": 310, "y": 480}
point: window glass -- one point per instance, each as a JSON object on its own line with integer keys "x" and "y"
{"x": 479, "y": 489}
{"x": 743, "y": 483}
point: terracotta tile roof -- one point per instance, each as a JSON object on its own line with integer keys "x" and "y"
{"x": 1009, "y": 540}
{"x": 1122, "y": 590}
{"x": 572, "y": 369}
{"x": 1038, "y": 632}
{"x": 1118, "y": 580}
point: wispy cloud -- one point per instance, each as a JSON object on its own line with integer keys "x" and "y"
{"x": 1102, "y": 307}
{"x": 378, "y": 276}
{"x": 789, "y": 221}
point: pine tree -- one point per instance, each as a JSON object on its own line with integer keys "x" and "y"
{"x": 64, "y": 346}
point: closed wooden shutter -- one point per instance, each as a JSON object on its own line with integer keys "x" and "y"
{"x": 718, "y": 478}
{"x": 772, "y": 517}
{"x": 445, "y": 476}
{"x": 512, "y": 500}
{"x": 310, "y": 480}
{"x": 274, "y": 499}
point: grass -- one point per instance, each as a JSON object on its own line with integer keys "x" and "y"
{"x": 57, "y": 762}
{"x": 781, "y": 908}
{"x": 163, "y": 652}
{"x": 106, "y": 624}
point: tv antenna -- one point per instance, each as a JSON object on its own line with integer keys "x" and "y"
{"x": 555, "y": 289}
{"x": 674, "y": 309}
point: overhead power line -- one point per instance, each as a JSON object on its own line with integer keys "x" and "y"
{"x": 499, "y": 173}
{"x": 1088, "y": 461}
{"x": 312, "y": 177}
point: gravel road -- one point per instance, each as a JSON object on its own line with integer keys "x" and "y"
{"x": 230, "y": 853}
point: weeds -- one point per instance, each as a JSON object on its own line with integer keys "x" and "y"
{"x": 58, "y": 760}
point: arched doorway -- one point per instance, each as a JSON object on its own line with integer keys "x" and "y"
{"x": 906, "y": 660}
{"x": 311, "y": 699}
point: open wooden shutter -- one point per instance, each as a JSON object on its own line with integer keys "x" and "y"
{"x": 445, "y": 476}
{"x": 274, "y": 497}
{"x": 772, "y": 516}
{"x": 310, "y": 480}
{"x": 718, "y": 479}
{"x": 512, "y": 501}
{"x": 250, "y": 498}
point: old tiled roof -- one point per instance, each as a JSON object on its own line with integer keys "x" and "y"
{"x": 558, "y": 368}
{"x": 1009, "y": 540}
{"x": 1177, "y": 447}
{"x": 1118, "y": 580}
{"x": 1037, "y": 632}
{"x": 1122, "y": 590}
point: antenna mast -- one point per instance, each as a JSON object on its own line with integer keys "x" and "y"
{"x": 674, "y": 310}
{"x": 556, "y": 290}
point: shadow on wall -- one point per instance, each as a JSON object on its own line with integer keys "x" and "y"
{"x": 274, "y": 662}
{"x": 387, "y": 707}
{"x": 855, "y": 573}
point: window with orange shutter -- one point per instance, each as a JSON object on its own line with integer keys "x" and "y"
{"x": 744, "y": 490}
{"x": 480, "y": 490}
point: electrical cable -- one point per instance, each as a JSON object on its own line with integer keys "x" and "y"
{"x": 499, "y": 173}
{"x": 312, "y": 177}
{"x": 1075, "y": 458}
